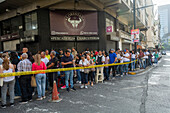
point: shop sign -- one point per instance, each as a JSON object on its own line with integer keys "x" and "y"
{"x": 135, "y": 35}
{"x": 109, "y": 29}
{"x": 73, "y": 23}
{"x": 28, "y": 39}
{"x": 87, "y": 38}
{"x": 124, "y": 35}
{"x": 9, "y": 37}
{"x": 55, "y": 38}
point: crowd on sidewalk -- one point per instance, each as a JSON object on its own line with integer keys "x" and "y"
{"x": 26, "y": 86}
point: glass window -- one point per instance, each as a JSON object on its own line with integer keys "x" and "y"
{"x": 31, "y": 21}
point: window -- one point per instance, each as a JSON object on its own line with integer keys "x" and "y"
{"x": 6, "y": 27}
{"x": 31, "y": 21}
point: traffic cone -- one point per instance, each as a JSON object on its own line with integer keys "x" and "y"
{"x": 55, "y": 94}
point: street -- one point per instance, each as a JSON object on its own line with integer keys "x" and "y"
{"x": 147, "y": 92}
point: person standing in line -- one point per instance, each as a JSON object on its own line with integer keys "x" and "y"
{"x": 126, "y": 58}
{"x": 52, "y": 64}
{"x": 78, "y": 58}
{"x": 67, "y": 62}
{"x": 14, "y": 60}
{"x": 156, "y": 55}
{"x": 106, "y": 68}
{"x": 150, "y": 58}
{"x": 41, "y": 77}
{"x": 84, "y": 75}
{"x": 7, "y": 81}
{"x": 146, "y": 54}
{"x": 45, "y": 60}
{"x": 25, "y": 81}
{"x": 91, "y": 71}
{"x": 1, "y": 60}
{"x": 141, "y": 55}
{"x": 133, "y": 58}
{"x": 112, "y": 59}
{"x": 47, "y": 55}
{"x": 100, "y": 59}
{"x": 74, "y": 52}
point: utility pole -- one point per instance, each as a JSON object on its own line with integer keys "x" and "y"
{"x": 134, "y": 20}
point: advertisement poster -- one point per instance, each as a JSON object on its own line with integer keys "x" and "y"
{"x": 135, "y": 35}
{"x": 73, "y": 23}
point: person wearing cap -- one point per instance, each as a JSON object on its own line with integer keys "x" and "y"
{"x": 25, "y": 80}
{"x": 67, "y": 62}
{"x": 126, "y": 58}
{"x": 112, "y": 59}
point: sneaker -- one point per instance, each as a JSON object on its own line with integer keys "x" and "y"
{"x": 23, "y": 102}
{"x": 44, "y": 97}
{"x": 3, "y": 106}
{"x": 39, "y": 98}
{"x": 79, "y": 82}
{"x": 68, "y": 89}
{"x": 121, "y": 75}
{"x": 82, "y": 86}
{"x": 86, "y": 87}
{"x": 30, "y": 100}
{"x": 73, "y": 89}
{"x": 64, "y": 87}
{"x": 11, "y": 104}
{"x": 92, "y": 84}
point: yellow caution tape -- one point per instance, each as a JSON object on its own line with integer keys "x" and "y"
{"x": 59, "y": 69}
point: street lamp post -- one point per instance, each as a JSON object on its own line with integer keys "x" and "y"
{"x": 134, "y": 20}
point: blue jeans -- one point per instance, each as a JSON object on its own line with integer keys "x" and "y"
{"x": 106, "y": 73}
{"x": 69, "y": 75}
{"x": 41, "y": 83}
{"x": 156, "y": 60}
{"x": 133, "y": 63}
{"x": 78, "y": 75}
{"x": 84, "y": 78}
{"x": 141, "y": 63}
{"x": 126, "y": 67}
{"x": 150, "y": 62}
{"x": 17, "y": 87}
{"x": 120, "y": 69}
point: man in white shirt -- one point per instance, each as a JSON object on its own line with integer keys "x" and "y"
{"x": 146, "y": 53}
{"x": 43, "y": 58}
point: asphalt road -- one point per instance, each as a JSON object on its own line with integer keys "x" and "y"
{"x": 147, "y": 92}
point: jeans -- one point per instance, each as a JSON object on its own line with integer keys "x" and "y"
{"x": 113, "y": 70}
{"x": 26, "y": 90}
{"x": 69, "y": 75}
{"x": 156, "y": 60}
{"x": 126, "y": 67}
{"x": 150, "y": 61}
{"x": 91, "y": 76}
{"x": 41, "y": 83}
{"x": 17, "y": 87}
{"x": 141, "y": 63}
{"x": 133, "y": 63}
{"x": 106, "y": 73}
{"x": 84, "y": 78}
{"x": 120, "y": 69}
{"x": 78, "y": 75}
{"x": 146, "y": 63}
{"x": 4, "y": 91}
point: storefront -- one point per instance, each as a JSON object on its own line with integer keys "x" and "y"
{"x": 126, "y": 40}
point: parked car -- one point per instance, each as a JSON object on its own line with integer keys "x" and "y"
{"x": 163, "y": 52}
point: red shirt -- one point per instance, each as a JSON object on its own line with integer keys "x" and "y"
{"x": 36, "y": 67}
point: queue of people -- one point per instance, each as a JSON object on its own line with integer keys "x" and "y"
{"x": 22, "y": 85}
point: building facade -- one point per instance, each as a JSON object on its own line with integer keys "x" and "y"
{"x": 54, "y": 24}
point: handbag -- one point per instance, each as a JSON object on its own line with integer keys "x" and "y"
{"x": 33, "y": 81}
{"x": 1, "y": 79}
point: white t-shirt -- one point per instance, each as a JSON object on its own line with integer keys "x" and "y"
{"x": 45, "y": 60}
{"x": 85, "y": 63}
{"x": 133, "y": 56}
{"x": 146, "y": 53}
{"x": 121, "y": 61}
{"x": 8, "y": 79}
{"x": 126, "y": 59}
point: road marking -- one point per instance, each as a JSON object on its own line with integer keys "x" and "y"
{"x": 133, "y": 87}
{"x": 166, "y": 65}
